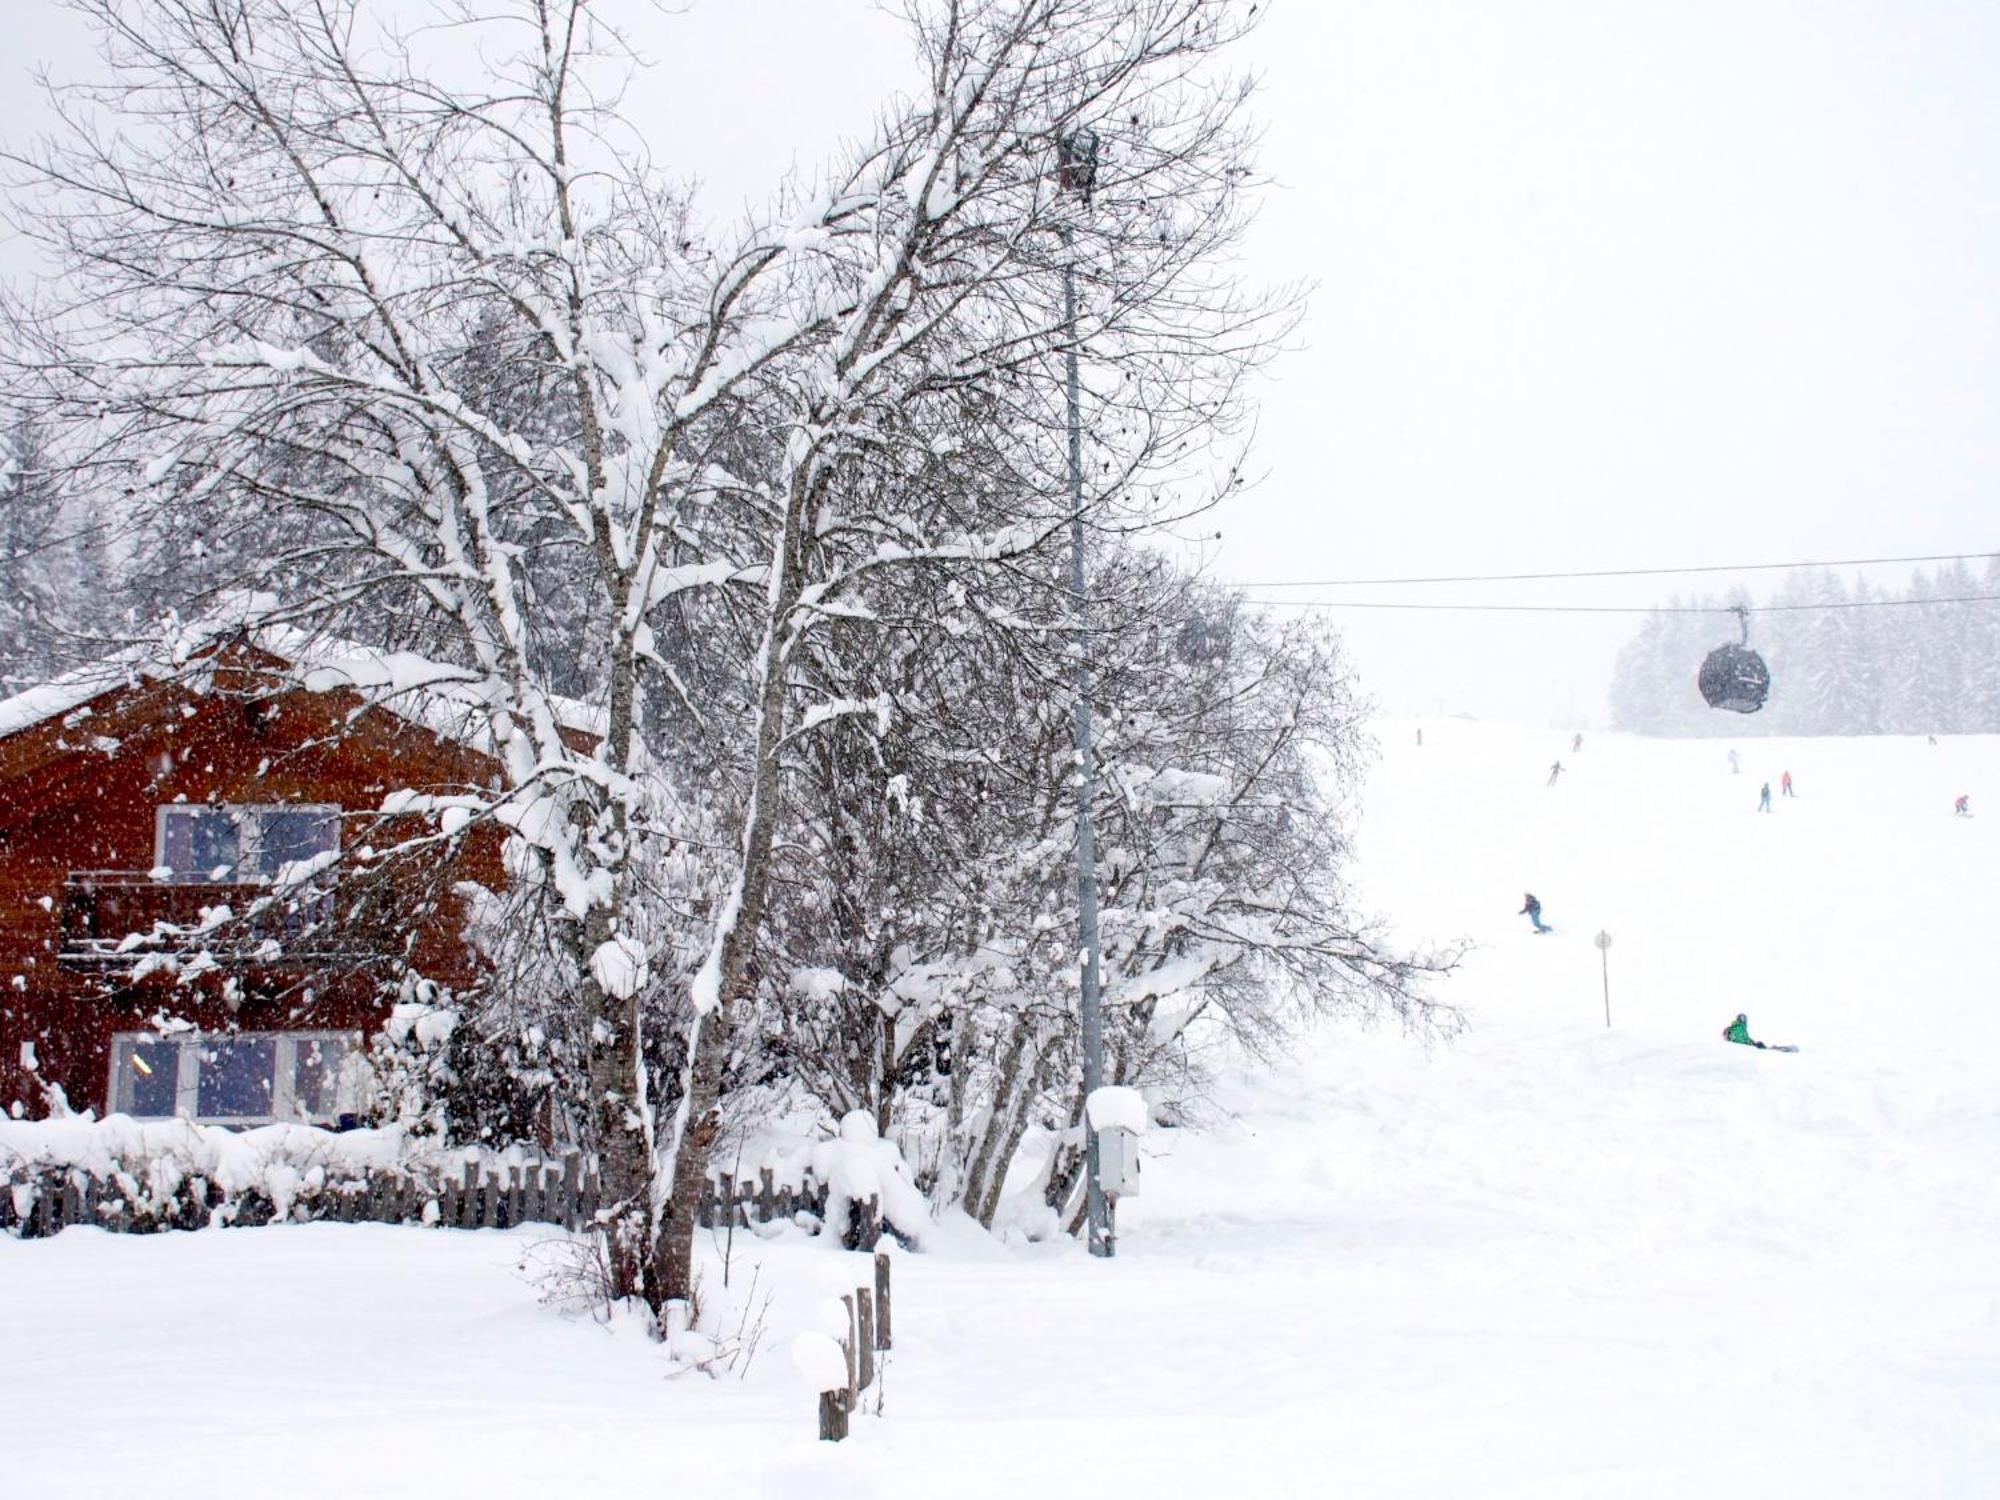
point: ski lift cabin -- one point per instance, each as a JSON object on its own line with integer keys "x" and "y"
{"x": 1734, "y": 677}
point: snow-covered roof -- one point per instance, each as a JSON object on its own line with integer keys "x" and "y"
{"x": 449, "y": 701}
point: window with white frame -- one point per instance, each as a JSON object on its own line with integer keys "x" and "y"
{"x": 200, "y": 842}
{"x": 239, "y": 1078}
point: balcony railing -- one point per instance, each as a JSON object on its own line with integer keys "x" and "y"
{"x": 126, "y": 916}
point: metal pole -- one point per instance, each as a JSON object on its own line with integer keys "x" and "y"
{"x": 1603, "y": 941}
{"x": 1097, "y": 1208}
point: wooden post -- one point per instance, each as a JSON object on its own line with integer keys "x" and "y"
{"x": 767, "y": 1195}
{"x": 572, "y": 1188}
{"x": 864, "y": 1334}
{"x": 516, "y": 1199}
{"x": 832, "y": 1417}
{"x": 882, "y": 1299}
{"x": 494, "y": 1184}
{"x": 847, "y": 1348}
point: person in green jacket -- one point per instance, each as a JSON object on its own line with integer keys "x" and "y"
{"x": 1739, "y": 1031}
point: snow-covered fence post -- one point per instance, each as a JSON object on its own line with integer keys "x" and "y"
{"x": 864, "y": 1335}
{"x": 824, "y": 1358}
{"x": 847, "y": 1349}
{"x": 882, "y": 1299}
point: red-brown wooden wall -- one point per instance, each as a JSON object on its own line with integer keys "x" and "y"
{"x": 79, "y": 792}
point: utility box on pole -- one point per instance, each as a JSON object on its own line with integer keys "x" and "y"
{"x": 1118, "y": 1162}
{"x": 1116, "y": 1115}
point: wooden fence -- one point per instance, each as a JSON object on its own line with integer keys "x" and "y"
{"x": 765, "y": 1199}
{"x": 40, "y": 1199}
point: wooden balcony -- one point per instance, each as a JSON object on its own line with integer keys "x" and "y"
{"x": 126, "y": 916}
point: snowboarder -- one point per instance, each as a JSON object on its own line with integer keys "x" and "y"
{"x": 1738, "y": 1031}
{"x": 1764, "y": 798}
{"x": 1963, "y": 806}
{"x": 1735, "y": 766}
{"x": 1785, "y": 785}
{"x": 1533, "y": 912}
{"x": 1555, "y": 771}
{"x": 1576, "y": 745}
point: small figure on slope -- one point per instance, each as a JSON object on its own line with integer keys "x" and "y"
{"x": 1735, "y": 764}
{"x": 1738, "y": 1031}
{"x": 1420, "y": 737}
{"x": 1764, "y": 798}
{"x": 1963, "y": 806}
{"x": 1576, "y": 745}
{"x": 1555, "y": 771}
{"x": 1785, "y": 785}
{"x": 1533, "y": 912}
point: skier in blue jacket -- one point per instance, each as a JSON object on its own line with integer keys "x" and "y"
{"x": 1533, "y": 912}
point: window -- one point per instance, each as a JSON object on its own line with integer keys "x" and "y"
{"x": 242, "y": 844}
{"x": 243, "y": 1078}
{"x": 236, "y": 1078}
{"x": 151, "y": 1075}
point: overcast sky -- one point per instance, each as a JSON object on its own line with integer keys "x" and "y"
{"x": 1596, "y": 285}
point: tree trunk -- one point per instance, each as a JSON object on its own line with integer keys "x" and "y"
{"x": 736, "y": 933}
{"x": 1018, "y": 1111}
{"x": 989, "y": 1139}
{"x": 673, "y": 1254}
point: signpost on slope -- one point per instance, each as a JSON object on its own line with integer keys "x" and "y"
{"x": 1604, "y": 953}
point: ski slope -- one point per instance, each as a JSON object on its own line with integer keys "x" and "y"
{"x": 1548, "y": 1259}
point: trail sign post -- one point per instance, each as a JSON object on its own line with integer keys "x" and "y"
{"x": 1604, "y": 953}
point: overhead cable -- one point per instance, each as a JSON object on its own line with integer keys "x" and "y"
{"x": 1619, "y": 609}
{"x": 1839, "y": 562}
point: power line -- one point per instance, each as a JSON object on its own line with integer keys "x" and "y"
{"x": 1618, "y": 609}
{"x": 1839, "y": 562}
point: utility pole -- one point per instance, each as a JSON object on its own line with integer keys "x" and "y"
{"x": 1076, "y": 157}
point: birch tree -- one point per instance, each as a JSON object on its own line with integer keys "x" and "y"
{"x": 423, "y": 352}
{"x": 451, "y": 362}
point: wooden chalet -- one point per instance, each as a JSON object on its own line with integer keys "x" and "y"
{"x": 194, "y": 918}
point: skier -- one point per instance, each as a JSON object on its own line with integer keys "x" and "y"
{"x": 1785, "y": 785}
{"x": 1963, "y": 806}
{"x": 1734, "y": 765}
{"x": 1420, "y": 739}
{"x": 1555, "y": 771}
{"x": 1533, "y": 912}
{"x": 1576, "y": 744}
{"x": 1764, "y": 798}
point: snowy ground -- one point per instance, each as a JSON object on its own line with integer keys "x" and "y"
{"x": 1550, "y": 1260}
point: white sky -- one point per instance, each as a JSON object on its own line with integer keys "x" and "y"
{"x": 1596, "y": 286}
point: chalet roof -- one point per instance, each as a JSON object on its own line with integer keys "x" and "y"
{"x": 449, "y": 701}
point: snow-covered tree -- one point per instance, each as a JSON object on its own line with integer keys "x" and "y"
{"x": 454, "y": 366}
